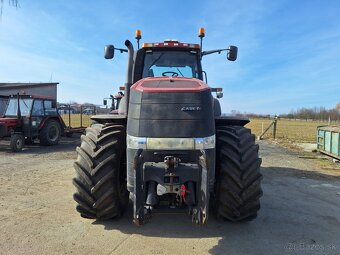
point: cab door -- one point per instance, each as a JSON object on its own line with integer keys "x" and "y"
{"x": 37, "y": 115}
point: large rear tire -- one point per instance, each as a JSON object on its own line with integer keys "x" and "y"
{"x": 50, "y": 133}
{"x": 238, "y": 188}
{"x": 101, "y": 172}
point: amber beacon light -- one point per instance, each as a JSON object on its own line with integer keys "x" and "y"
{"x": 201, "y": 32}
{"x": 138, "y": 34}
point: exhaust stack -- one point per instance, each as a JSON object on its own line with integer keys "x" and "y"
{"x": 128, "y": 83}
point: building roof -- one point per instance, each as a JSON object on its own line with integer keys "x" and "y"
{"x": 22, "y": 84}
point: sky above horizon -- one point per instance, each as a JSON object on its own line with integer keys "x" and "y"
{"x": 289, "y": 51}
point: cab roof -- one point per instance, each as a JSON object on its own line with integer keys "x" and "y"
{"x": 33, "y": 97}
{"x": 171, "y": 43}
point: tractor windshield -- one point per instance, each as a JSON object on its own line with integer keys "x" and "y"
{"x": 25, "y": 107}
{"x": 171, "y": 63}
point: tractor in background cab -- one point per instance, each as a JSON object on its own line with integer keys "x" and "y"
{"x": 28, "y": 118}
{"x": 168, "y": 148}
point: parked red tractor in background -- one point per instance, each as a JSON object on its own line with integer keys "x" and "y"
{"x": 28, "y": 118}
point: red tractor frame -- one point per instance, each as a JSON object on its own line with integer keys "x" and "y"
{"x": 28, "y": 118}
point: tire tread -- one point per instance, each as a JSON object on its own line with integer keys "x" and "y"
{"x": 97, "y": 172}
{"x": 238, "y": 189}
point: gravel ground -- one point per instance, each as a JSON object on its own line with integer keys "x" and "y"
{"x": 300, "y": 212}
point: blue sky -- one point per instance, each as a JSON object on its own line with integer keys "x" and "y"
{"x": 289, "y": 51}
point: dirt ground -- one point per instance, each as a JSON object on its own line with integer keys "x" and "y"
{"x": 300, "y": 212}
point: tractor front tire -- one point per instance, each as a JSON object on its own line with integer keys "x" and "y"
{"x": 50, "y": 133}
{"x": 238, "y": 189}
{"x": 101, "y": 172}
{"x": 17, "y": 142}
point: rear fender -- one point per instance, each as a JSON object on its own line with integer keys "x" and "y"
{"x": 56, "y": 118}
{"x": 231, "y": 121}
{"x": 110, "y": 118}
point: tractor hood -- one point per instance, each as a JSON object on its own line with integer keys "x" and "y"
{"x": 9, "y": 122}
{"x": 170, "y": 107}
{"x": 170, "y": 84}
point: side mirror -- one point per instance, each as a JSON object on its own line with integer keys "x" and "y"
{"x": 219, "y": 94}
{"x": 104, "y": 102}
{"x": 109, "y": 52}
{"x": 232, "y": 53}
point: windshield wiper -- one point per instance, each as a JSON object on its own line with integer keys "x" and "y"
{"x": 179, "y": 71}
{"x": 24, "y": 103}
{"x": 154, "y": 62}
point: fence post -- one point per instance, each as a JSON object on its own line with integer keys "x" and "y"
{"x": 81, "y": 116}
{"x": 69, "y": 115}
{"x": 275, "y": 125}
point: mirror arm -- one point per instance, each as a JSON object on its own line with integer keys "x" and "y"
{"x": 121, "y": 50}
{"x": 206, "y": 77}
{"x": 213, "y": 51}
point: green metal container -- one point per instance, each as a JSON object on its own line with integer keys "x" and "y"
{"x": 328, "y": 139}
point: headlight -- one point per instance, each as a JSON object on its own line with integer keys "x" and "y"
{"x": 133, "y": 142}
{"x": 205, "y": 143}
{"x": 170, "y": 143}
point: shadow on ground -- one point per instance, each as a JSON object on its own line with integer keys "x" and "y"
{"x": 66, "y": 144}
{"x": 295, "y": 209}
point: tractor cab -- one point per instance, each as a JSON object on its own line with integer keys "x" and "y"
{"x": 27, "y": 118}
{"x": 168, "y": 59}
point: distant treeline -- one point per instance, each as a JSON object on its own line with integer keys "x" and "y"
{"x": 315, "y": 113}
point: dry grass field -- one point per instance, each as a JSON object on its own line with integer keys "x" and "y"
{"x": 298, "y": 131}
{"x": 77, "y": 120}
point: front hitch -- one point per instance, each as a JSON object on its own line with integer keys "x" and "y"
{"x": 176, "y": 175}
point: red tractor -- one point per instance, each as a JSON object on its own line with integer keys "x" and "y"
{"x": 168, "y": 148}
{"x": 115, "y": 101}
{"x": 28, "y": 118}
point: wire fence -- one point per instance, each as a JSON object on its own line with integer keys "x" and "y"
{"x": 77, "y": 116}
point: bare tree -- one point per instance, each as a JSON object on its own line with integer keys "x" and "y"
{"x": 314, "y": 113}
{"x": 14, "y": 3}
